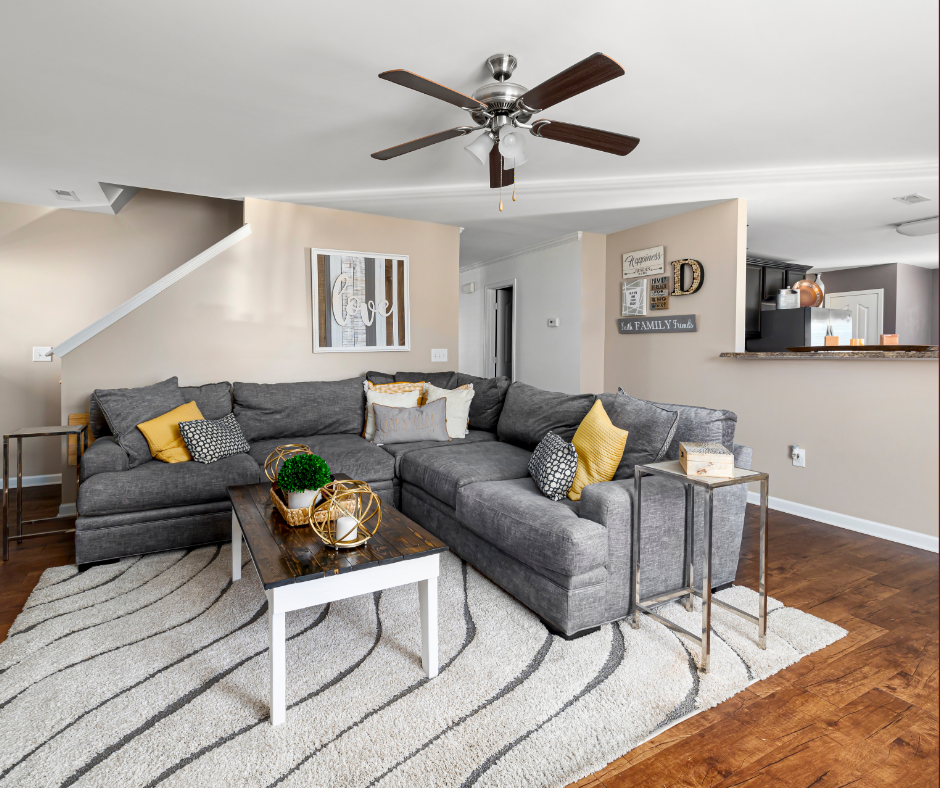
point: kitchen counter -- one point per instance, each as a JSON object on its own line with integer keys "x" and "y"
{"x": 835, "y": 355}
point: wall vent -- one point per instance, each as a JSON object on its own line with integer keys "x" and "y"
{"x": 65, "y": 194}
{"x": 912, "y": 199}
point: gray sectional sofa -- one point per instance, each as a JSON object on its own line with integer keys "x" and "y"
{"x": 567, "y": 561}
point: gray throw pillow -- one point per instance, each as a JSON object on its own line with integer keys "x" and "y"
{"x": 707, "y": 425}
{"x": 443, "y": 380}
{"x": 380, "y": 378}
{"x": 124, "y": 409}
{"x": 489, "y": 394}
{"x": 651, "y": 429}
{"x": 408, "y": 425}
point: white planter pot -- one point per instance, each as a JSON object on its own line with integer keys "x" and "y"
{"x": 303, "y": 499}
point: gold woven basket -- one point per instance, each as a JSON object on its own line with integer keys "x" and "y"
{"x": 296, "y": 518}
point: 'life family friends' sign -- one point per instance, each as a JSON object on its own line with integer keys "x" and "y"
{"x": 657, "y": 325}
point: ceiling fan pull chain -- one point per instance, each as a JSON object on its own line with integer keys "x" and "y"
{"x": 514, "y": 180}
{"x": 500, "y": 183}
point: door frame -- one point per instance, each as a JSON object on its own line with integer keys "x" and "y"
{"x": 489, "y": 325}
{"x": 879, "y": 291}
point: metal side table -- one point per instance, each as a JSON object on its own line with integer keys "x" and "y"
{"x": 672, "y": 469}
{"x": 80, "y": 431}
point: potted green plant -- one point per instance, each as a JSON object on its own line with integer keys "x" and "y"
{"x": 301, "y": 477}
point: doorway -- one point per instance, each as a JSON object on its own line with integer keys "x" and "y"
{"x": 500, "y": 349}
{"x": 867, "y": 308}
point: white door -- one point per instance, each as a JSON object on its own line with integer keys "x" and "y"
{"x": 866, "y": 307}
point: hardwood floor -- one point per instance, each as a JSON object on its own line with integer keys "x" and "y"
{"x": 862, "y": 712}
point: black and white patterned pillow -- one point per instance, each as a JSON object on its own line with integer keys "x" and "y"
{"x": 209, "y": 441}
{"x": 553, "y": 466}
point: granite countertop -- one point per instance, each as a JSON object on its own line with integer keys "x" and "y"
{"x": 835, "y": 355}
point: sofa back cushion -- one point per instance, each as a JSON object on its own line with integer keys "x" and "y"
{"x": 443, "y": 380}
{"x": 701, "y": 424}
{"x": 530, "y": 413}
{"x": 489, "y": 394}
{"x": 126, "y": 408}
{"x": 651, "y": 429}
{"x": 214, "y": 400}
{"x": 380, "y": 378}
{"x": 97, "y": 423}
{"x": 284, "y": 410}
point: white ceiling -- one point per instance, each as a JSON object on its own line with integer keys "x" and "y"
{"x": 817, "y": 113}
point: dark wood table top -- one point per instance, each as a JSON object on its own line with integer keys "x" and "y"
{"x": 285, "y": 555}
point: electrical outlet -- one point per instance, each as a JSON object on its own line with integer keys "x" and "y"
{"x": 799, "y": 456}
{"x": 439, "y": 354}
{"x": 40, "y": 354}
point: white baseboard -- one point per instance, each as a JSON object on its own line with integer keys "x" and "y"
{"x": 890, "y": 532}
{"x": 35, "y": 481}
{"x": 67, "y": 510}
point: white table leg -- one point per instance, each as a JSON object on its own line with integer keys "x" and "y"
{"x": 277, "y": 660}
{"x": 427, "y": 595}
{"x": 236, "y": 548}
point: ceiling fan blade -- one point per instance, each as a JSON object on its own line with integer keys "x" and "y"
{"x": 407, "y": 79}
{"x": 423, "y": 142}
{"x": 497, "y": 171}
{"x": 606, "y": 141}
{"x": 589, "y": 73}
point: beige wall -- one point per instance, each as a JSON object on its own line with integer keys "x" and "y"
{"x": 865, "y": 425}
{"x": 246, "y": 315}
{"x": 593, "y": 284}
{"x": 62, "y": 269}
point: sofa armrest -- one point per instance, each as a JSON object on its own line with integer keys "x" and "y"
{"x": 611, "y": 505}
{"x": 103, "y": 456}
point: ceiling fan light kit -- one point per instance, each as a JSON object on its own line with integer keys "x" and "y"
{"x": 502, "y": 109}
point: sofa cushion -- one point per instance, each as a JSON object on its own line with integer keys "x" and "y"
{"x": 444, "y": 470}
{"x": 347, "y": 454}
{"x": 515, "y": 517}
{"x": 701, "y": 424}
{"x": 214, "y": 400}
{"x": 156, "y": 485}
{"x": 443, "y": 380}
{"x": 126, "y": 408}
{"x": 97, "y": 423}
{"x": 399, "y": 450}
{"x": 489, "y": 394}
{"x": 530, "y": 413}
{"x": 102, "y": 456}
{"x": 278, "y": 410}
{"x": 380, "y": 378}
{"x": 650, "y": 427}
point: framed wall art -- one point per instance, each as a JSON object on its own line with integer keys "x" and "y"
{"x": 633, "y": 300}
{"x": 360, "y": 301}
{"x": 644, "y": 262}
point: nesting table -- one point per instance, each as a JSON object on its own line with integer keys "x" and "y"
{"x": 672, "y": 469}
{"x": 298, "y": 570}
{"x": 80, "y": 431}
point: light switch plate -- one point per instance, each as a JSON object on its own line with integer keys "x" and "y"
{"x": 439, "y": 354}
{"x": 39, "y": 354}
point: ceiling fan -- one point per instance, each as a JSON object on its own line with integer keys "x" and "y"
{"x": 501, "y": 109}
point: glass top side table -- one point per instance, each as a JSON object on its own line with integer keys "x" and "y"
{"x": 673, "y": 469}
{"x": 81, "y": 441}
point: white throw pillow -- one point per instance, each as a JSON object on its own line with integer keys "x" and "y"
{"x": 458, "y": 407}
{"x": 404, "y": 399}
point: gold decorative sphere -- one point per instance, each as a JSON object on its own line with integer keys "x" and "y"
{"x": 272, "y": 465}
{"x": 346, "y": 499}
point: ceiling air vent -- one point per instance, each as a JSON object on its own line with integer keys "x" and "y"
{"x": 65, "y": 194}
{"x": 912, "y": 199}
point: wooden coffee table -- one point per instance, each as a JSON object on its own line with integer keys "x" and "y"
{"x": 298, "y": 570}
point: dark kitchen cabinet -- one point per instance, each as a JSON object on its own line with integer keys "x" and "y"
{"x": 764, "y": 279}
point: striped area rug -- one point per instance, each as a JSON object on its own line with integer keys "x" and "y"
{"x": 153, "y": 672}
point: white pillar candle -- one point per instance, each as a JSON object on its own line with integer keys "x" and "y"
{"x": 346, "y": 528}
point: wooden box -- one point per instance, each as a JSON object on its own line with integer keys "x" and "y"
{"x": 706, "y": 459}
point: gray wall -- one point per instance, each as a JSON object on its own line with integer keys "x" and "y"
{"x": 915, "y": 294}
{"x": 934, "y": 307}
{"x": 870, "y": 277}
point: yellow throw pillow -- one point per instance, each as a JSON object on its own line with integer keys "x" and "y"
{"x": 163, "y": 433}
{"x": 600, "y": 448}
